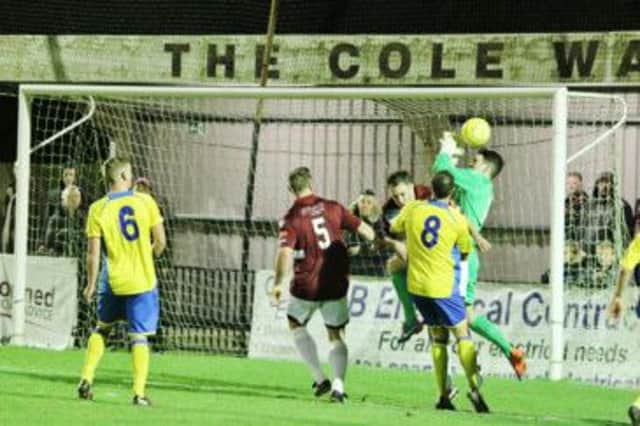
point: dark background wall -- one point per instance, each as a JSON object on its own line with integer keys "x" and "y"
{"x": 308, "y": 17}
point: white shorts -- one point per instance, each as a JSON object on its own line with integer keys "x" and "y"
{"x": 335, "y": 313}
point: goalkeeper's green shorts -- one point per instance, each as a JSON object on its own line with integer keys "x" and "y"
{"x": 474, "y": 266}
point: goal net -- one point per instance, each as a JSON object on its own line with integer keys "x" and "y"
{"x": 219, "y": 175}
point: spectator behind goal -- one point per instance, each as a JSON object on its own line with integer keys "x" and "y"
{"x": 64, "y": 235}
{"x": 606, "y": 268}
{"x": 575, "y": 207}
{"x": 603, "y": 222}
{"x": 575, "y": 266}
{"x": 8, "y": 220}
{"x": 366, "y": 256}
{"x": 601, "y": 212}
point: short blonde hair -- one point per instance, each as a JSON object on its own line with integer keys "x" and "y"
{"x": 113, "y": 168}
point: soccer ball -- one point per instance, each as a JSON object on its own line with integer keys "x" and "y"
{"x": 475, "y": 132}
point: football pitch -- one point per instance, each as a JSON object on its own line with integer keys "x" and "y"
{"x": 39, "y": 387}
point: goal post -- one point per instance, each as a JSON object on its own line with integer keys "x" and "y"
{"x": 556, "y": 279}
{"x": 22, "y": 169}
{"x": 352, "y": 137}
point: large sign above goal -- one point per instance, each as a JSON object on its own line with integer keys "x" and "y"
{"x": 596, "y": 350}
{"x": 493, "y": 59}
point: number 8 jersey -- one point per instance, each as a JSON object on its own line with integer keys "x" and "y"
{"x": 313, "y": 229}
{"x": 436, "y": 234}
{"x": 123, "y": 220}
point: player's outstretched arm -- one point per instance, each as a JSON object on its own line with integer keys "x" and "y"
{"x": 284, "y": 265}
{"x": 366, "y": 231}
{"x": 159, "y": 239}
{"x": 617, "y": 305}
{"x": 483, "y": 244}
{"x": 93, "y": 265}
{"x": 464, "y": 178}
{"x": 399, "y": 247}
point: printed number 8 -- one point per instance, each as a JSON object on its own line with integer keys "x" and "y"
{"x": 431, "y": 227}
{"x": 128, "y": 225}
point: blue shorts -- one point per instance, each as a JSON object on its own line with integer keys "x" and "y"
{"x": 141, "y": 311}
{"x": 446, "y": 312}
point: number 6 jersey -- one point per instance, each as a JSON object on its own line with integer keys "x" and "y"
{"x": 313, "y": 229}
{"x": 123, "y": 220}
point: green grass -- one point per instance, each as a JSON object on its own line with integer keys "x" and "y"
{"x": 38, "y": 387}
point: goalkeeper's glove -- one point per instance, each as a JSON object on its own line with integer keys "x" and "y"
{"x": 457, "y": 155}
{"x": 448, "y": 144}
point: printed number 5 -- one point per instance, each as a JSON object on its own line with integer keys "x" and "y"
{"x": 128, "y": 225}
{"x": 321, "y": 231}
{"x": 429, "y": 236}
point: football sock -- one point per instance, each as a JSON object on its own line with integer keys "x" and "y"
{"x": 338, "y": 356}
{"x": 399, "y": 280}
{"x": 308, "y": 351}
{"x": 440, "y": 359}
{"x": 637, "y": 402}
{"x": 140, "y": 358}
{"x": 95, "y": 349}
{"x": 467, "y": 355}
{"x": 492, "y": 333}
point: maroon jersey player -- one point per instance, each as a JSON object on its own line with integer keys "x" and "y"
{"x": 311, "y": 242}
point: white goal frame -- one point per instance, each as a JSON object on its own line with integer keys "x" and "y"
{"x": 557, "y": 95}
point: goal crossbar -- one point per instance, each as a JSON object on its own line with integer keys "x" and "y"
{"x": 286, "y": 92}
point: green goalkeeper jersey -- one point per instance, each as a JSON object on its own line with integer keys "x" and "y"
{"x": 474, "y": 191}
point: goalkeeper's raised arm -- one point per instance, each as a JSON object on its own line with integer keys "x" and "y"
{"x": 474, "y": 187}
{"x": 448, "y": 158}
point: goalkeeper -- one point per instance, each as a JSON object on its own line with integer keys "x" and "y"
{"x": 474, "y": 194}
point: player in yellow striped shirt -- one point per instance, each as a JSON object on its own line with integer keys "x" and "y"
{"x": 630, "y": 260}
{"x": 438, "y": 242}
{"x": 124, "y": 228}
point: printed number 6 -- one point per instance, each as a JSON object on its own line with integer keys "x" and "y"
{"x": 431, "y": 227}
{"x": 128, "y": 225}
